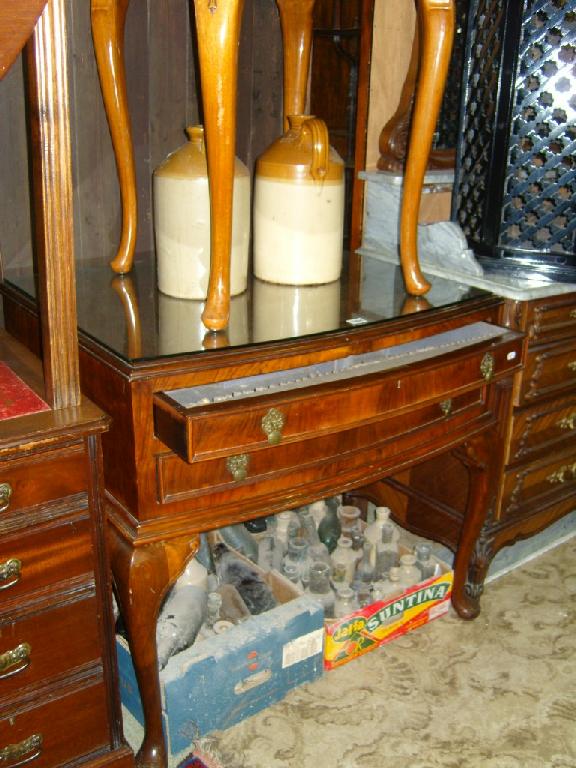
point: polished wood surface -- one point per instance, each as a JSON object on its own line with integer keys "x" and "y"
{"x": 437, "y": 25}
{"x": 52, "y": 176}
{"x": 17, "y": 21}
{"x": 296, "y": 18}
{"x": 108, "y": 22}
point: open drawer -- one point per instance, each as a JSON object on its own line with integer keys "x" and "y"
{"x": 241, "y": 415}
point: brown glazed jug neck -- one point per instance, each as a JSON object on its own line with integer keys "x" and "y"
{"x": 303, "y": 153}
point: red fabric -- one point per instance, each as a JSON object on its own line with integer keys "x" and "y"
{"x": 16, "y": 397}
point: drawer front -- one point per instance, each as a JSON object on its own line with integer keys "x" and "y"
{"x": 49, "y": 554}
{"x": 48, "y": 643}
{"x": 40, "y": 478}
{"x": 539, "y": 485}
{"x": 550, "y": 370}
{"x": 552, "y": 319}
{"x": 56, "y": 732}
{"x": 248, "y": 424}
{"x": 543, "y": 428}
{"x": 277, "y": 472}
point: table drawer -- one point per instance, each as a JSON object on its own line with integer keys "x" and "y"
{"x": 552, "y": 319}
{"x": 50, "y": 731}
{"x": 350, "y": 456}
{"x": 550, "y": 370}
{"x": 58, "y": 550}
{"x": 35, "y": 479}
{"x": 543, "y": 428}
{"x": 356, "y": 393}
{"x": 49, "y": 642}
{"x": 539, "y": 484}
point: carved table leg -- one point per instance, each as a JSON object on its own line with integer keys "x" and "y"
{"x": 142, "y": 576}
{"x": 296, "y": 21}
{"x": 478, "y": 455}
{"x": 108, "y": 18}
{"x": 218, "y": 27}
{"x": 437, "y": 23}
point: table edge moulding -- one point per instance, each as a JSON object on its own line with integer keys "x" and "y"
{"x": 59, "y": 699}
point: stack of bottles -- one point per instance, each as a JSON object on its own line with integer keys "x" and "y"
{"x": 324, "y": 549}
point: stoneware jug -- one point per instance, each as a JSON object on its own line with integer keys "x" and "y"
{"x": 299, "y": 207}
{"x": 182, "y": 222}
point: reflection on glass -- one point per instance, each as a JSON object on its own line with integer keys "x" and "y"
{"x": 181, "y": 328}
{"x": 123, "y": 286}
{"x": 284, "y": 311}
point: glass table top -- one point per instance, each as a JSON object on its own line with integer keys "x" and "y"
{"x": 132, "y": 319}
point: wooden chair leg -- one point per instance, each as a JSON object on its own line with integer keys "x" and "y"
{"x": 437, "y": 34}
{"x": 108, "y": 19}
{"x": 218, "y": 27}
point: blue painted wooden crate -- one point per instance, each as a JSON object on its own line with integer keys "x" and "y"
{"x": 219, "y": 682}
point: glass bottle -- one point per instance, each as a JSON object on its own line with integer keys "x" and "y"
{"x": 281, "y": 535}
{"x": 319, "y": 554}
{"x": 330, "y": 529}
{"x": 343, "y": 562}
{"x": 424, "y": 561}
{"x": 387, "y": 555}
{"x": 365, "y": 568}
{"x": 346, "y": 602}
{"x": 349, "y": 519}
{"x": 373, "y": 532}
{"x": 409, "y": 572}
{"x": 320, "y": 587}
{"x": 291, "y": 572}
{"x": 308, "y": 526}
{"x": 297, "y": 554}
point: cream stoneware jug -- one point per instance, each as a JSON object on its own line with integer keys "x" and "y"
{"x": 299, "y": 207}
{"x": 182, "y": 222}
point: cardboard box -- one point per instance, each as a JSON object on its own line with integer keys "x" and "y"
{"x": 383, "y": 621}
{"x": 220, "y": 681}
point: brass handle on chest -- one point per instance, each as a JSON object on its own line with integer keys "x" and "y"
{"x": 238, "y": 466}
{"x": 273, "y": 424}
{"x": 572, "y": 366}
{"x": 568, "y": 422}
{"x": 5, "y": 495}
{"x": 10, "y": 572}
{"x": 446, "y": 407}
{"x": 560, "y": 475}
{"x": 15, "y": 660}
{"x": 573, "y": 314}
{"x": 23, "y": 752}
{"x": 487, "y": 366}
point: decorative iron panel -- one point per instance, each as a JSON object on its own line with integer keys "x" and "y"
{"x": 514, "y": 192}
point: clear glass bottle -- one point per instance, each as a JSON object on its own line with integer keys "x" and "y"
{"x": 297, "y": 554}
{"x": 291, "y": 572}
{"x": 365, "y": 568}
{"x": 424, "y": 562}
{"x": 349, "y": 519}
{"x": 329, "y": 529}
{"x": 409, "y": 572}
{"x": 346, "y": 602}
{"x": 319, "y": 554}
{"x": 308, "y": 527}
{"x": 319, "y": 586}
{"x": 387, "y": 554}
{"x": 373, "y": 532}
{"x": 343, "y": 561}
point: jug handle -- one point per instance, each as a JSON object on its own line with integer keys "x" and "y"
{"x": 320, "y": 146}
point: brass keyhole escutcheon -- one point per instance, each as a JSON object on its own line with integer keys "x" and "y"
{"x": 5, "y": 495}
{"x": 446, "y": 407}
{"x": 238, "y": 466}
{"x": 273, "y": 424}
{"x": 487, "y": 366}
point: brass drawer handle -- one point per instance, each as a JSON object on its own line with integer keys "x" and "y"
{"x": 24, "y": 752}
{"x": 238, "y": 466}
{"x": 5, "y": 495}
{"x": 446, "y": 406}
{"x": 572, "y": 366}
{"x": 10, "y": 572}
{"x": 573, "y": 314}
{"x": 273, "y": 424}
{"x": 14, "y": 661}
{"x": 568, "y": 422}
{"x": 560, "y": 475}
{"x": 487, "y": 366}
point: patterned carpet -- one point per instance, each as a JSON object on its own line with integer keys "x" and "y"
{"x": 498, "y": 692}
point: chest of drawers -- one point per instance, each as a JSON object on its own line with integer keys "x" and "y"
{"x": 536, "y": 455}
{"x": 58, "y": 700}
